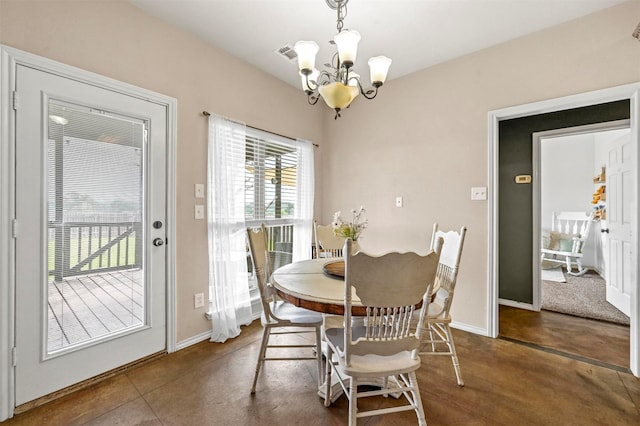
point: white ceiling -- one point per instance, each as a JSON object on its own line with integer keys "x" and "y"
{"x": 415, "y": 34}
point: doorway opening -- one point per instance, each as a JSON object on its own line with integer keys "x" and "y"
{"x": 587, "y": 103}
{"x": 572, "y": 230}
{"x": 569, "y": 303}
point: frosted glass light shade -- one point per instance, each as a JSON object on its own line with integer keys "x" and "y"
{"x": 347, "y": 43}
{"x": 379, "y": 68}
{"x": 312, "y": 77}
{"x": 306, "y": 51}
{"x": 337, "y": 95}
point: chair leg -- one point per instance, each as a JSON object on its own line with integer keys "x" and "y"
{"x": 581, "y": 269}
{"x": 353, "y": 401}
{"x": 454, "y": 355}
{"x": 261, "y": 356}
{"x": 568, "y": 263}
{"x": 319, "y": 355}
{"x": 327, "y": 377}
{"x": 417, "y": 401}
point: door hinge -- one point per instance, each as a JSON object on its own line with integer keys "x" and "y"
{"x": 14, "y": 228}
{"x": 145, "y": 135}
{"x": 15, "y": 100}
{"x": 14, "y": 356}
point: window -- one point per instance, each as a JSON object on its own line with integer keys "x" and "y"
{"x": 278, "y": 192}
{"x": 270, "y": 179}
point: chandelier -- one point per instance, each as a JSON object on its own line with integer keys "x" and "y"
{"x": 340, "y": 85}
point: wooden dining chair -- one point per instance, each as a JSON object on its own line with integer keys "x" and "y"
{"x": 280, "y": 317}
{"x": 437, "y": 338}
{"x": 383, "y": 345}
{"x": 327, "y": 243}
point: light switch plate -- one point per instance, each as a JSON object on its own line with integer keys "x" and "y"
{"x": 199, "y": 211}
{"x": 199, "y": 190}
{"x": 399, "y": 201}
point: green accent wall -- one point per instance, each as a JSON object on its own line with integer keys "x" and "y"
{"x": 515, "y": 209}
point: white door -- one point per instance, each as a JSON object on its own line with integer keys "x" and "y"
{"x": 90, "y": 200}
{"x": 621, "y": 196}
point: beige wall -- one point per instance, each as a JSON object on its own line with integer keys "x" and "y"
{"x": 120, "y": 41}
{"x": 424, "y": 137}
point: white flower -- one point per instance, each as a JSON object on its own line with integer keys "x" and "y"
{"x": 351, "y": 229}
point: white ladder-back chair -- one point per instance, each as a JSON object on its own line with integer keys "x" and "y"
{"x": 327, "y": 243}
{"x": 569, "y": 232}
{"x": 279, "y": 317}
{"x": 382, "y": 345}
{"x": 437, "y": 338}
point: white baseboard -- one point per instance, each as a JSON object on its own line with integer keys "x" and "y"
{"x": 470, "y": 328}
{"x": 193, "y": 340}
{"x": 514, "y": 304}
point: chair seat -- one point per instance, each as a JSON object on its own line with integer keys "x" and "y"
{"x": 371, "y": 365}
{"x": 562, "y": 253}
{"x": 288, "y": 312}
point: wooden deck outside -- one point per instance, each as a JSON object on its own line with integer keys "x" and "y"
{"x": 90, "y": 306}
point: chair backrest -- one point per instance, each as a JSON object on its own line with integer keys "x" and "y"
{"x": 448, "y": 266}
{"x": 390, "y": 286}
{"x": 575, "y": 224}
{"x": 261, "y": 265}
{"x": 327, "y": 243}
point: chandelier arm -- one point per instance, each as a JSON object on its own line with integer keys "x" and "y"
{"x": 362, "y": 91}
{"x": 307, "y": 81}
{"x": 327, "y": 77}
{"x": 369, "y": 97}
{"x": 312, "y": 99}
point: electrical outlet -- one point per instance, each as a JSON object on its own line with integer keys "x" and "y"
{"x": 479, "y": 193}
{"x": 198, "y": 300}
{"x": 199, "y": 211}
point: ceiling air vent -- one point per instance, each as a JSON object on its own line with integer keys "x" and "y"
{"x": 287, "y": 53}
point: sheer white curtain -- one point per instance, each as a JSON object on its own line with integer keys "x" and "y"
{"x": 231, "y": 304}
{"x": 304, "y": 201}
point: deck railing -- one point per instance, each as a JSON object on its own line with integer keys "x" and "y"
{"x": 77, "y": 248}
{"x": 279, "y": 245}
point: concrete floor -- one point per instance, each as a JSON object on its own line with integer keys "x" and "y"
{"x": 587, "y": 339}
{"x": 507, "y": 383}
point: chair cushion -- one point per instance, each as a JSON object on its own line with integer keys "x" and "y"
{"x": 370, "y": 365}
{"x": 380, "y": 366}
{"x": 563, "y": 242}
{"x": 288, "y": 312}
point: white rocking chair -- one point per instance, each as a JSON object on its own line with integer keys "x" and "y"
{"x": 569, "y": 232}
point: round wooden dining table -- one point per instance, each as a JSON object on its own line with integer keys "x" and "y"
{"x": 316, "y": 285}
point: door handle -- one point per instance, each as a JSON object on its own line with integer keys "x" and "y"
{"x": 158, "y": 242}
{"x": 605, "y": 230}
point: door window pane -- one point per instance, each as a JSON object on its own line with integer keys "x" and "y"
{"x": 95, "y": 182}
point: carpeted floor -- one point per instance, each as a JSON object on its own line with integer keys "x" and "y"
{"x": 582, "y": 296}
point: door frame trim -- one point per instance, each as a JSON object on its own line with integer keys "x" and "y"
{"x": 537, "y": 190}
{"x": 10, "y": 58}
{"x": 628, "y": 91}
